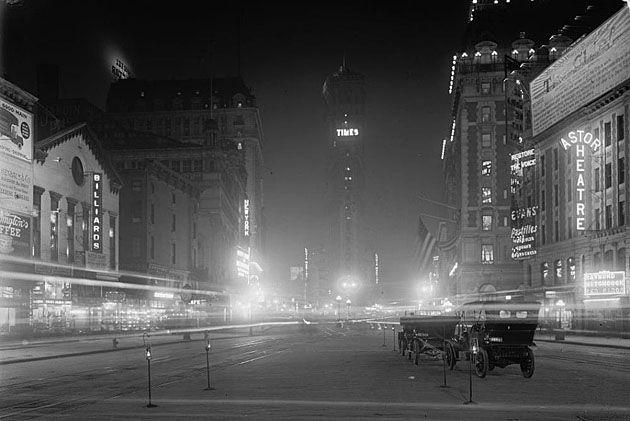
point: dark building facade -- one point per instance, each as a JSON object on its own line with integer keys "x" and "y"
{"x": 344, "y": 93}
{"x": 210, "y": 179}
{"x": 206, "y": 112}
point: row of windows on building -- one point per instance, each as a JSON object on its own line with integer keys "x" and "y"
{"x": 180, "y": 126}
{"x": 178, "y": 165}
{"x": 564, "y": 271}
{"x": 620, "y": 135}
{"x": 72, "y": 220}
{"x": 194, "y": 102}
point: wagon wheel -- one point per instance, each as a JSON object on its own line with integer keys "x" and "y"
{"x": 527, "y": 366}
{"x": 450, "y": 356}
{"x": 481, "y": 363}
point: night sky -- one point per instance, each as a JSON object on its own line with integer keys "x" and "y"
{"x": 404, "y": 49}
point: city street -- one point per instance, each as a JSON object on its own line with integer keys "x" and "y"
{"x": 315, "y": 371}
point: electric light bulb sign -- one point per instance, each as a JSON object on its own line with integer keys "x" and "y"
{"x": 604, "y": 283}
{"x": 523, "y": 234}
{"x": 581, "y": 142}
{"x": 522, "y": 219}
{"x": 246, "y": 216}
{"x": 347, "y": 132}
{"x": 97, "y": 217}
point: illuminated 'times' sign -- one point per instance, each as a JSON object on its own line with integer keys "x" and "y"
{"x": 347, "y": 132}
{"x": 581, "y": 141}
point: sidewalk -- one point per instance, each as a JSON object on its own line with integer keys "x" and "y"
{"x": 576, "y": 339}
{"x": 12, "y": 352}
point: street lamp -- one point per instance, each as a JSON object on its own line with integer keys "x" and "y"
{"x": 348, "y": 302}
{"x": 338, "y": 299}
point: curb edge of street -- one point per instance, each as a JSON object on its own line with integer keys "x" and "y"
{"x": 96, "y": 351}
{"x": 583, "y": 344}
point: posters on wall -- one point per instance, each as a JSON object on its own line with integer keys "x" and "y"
{"x": 587, "y": 70}
{"x": 16, "y": 132}
{"x": 15, "y": 233}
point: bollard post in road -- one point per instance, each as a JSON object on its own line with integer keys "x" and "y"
{"x": 470, "y": 386}
{"x": 147, "y": 354}
{"x": 384, "y": 345}
{"x": 208, "y": 347}
{"x": 444, "y": 355}
{"x": 115, "y": 343}
{"x": 394, "y": 336}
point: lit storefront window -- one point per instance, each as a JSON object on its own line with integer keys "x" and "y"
{"x": 571, "y": 270}
{"x": 487, "y": 253}
{"x": 54, "y": 228}
{"x": 486, "y": 195}
{"x": 544, "y": 272}
{"x": 558, "y": 272}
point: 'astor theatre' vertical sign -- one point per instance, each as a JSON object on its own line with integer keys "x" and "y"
{"x": 97, "y": 217}
{"x": 581, "y": 142}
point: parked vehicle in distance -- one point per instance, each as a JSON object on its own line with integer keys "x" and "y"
{"x": 498, "y": 334}
{"x": 429, "y": 334}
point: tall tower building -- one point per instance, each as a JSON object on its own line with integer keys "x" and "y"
{"x": 344, "y": 93}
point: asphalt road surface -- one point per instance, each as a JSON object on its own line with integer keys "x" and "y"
{"x": 314, "y": 372}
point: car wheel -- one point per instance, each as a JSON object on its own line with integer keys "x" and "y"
{"x": 481, "y": 363}
{"x": 527, "y": 366}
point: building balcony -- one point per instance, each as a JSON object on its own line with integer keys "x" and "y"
{"x": 606, "y": 232}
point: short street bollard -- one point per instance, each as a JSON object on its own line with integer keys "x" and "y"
{"x": 394, "y": 337}
{"x": 384, "y": 329}
{"x": 115, "y": 343}
{"x": 208, "y": 347}
{"x": 472, "y": 346}
{"x": 147, "y": 354}
{"x": 444, "y": 354}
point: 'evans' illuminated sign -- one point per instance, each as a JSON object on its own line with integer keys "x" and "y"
{"x": 580, "y": 140}
{"x": 97, "y": 202}
{"x": 347, "y": 132}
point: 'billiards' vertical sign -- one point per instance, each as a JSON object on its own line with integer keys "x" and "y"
{"x": 97, "y": 201}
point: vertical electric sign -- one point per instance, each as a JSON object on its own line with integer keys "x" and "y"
{"x": 246, "y": 217}
{"x": 580, "y": 140}
{"x": 97, "y": 217}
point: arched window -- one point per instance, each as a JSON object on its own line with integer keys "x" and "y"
{"x": 608, "y": 260}
{"x": 597, "y": 262}
{"x": 571, "y": 270}
{"x": 557, "y": 272}
{"x": 621, "y": 259}
{"x": 544, "y": 273}
{"x": 487, "y": 291}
